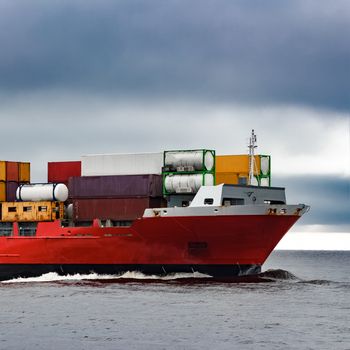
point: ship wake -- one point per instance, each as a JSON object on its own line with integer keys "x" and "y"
{"x": 135, "y": 276}
{"x": 127, "y": 276}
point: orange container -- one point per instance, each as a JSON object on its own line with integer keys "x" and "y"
{"x": 24, "y": 172}
{"x": 236, "y": 164}
{"x": 2, "y": 170}
{"x": 2, "y": 191}
{"x": 227, "y": 178}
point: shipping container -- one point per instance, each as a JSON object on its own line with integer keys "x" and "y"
{"x": 32, "y": 211}
{"x": 236, "y": 179}
{"x": 2, "y": 191}
{"x": 117, "y": 209}
{"x": 227, "y": 178}
{"x": 11, "y": 188}
{"x": 122, "y": 164}
{"x": 24, "y": 172}
{"x": 186, "y": 183}
{"x": 236, "y": 164}
{"x": 2, "y": 170}
{"x": 189, "y": 160}
{"x": 12, "y": 171}
{"x": 119, "y": 186}
{"x": 62, "y": 171}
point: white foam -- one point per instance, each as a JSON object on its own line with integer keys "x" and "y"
{"x": 54, "y": 277}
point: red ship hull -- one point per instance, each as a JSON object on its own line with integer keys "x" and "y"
{"x": 221, "y": 246}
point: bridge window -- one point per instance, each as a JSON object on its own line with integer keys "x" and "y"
{"x": 209, "y": 201}
{"x": 267, "y": 201}
{"x": 232, "y": 201}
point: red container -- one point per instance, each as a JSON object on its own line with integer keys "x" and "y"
{"x": 12, "y": 171}
{"x": 11, "y": 188}
{"x": 115, "y": 186}
{"x": 118, "y": 209}
{"x": 62, "y": 171}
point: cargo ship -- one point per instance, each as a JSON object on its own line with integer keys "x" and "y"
{"x": 154, "y": 213}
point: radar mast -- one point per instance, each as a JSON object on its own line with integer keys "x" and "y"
{"x": 252, "y": 164}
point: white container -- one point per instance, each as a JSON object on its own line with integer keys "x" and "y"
{"x": 42, "y": 192}
{"x": 198, "y": 160}
{"x": 122, "y": 164}
{"x": 187, "y": 183}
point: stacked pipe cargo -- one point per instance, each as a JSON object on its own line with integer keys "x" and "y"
{"x": 185, "y": 171}
{"x": 234, "y": 169}
{"x": 60, "y": 172}
{"x": 12, "y": 175}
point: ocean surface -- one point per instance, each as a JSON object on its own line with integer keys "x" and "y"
{"x": 303, "y": 302}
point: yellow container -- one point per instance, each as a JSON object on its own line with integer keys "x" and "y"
{"x": 27, "y": 211}
{"x": 2, "y": 191}
{"x": 2, "y": 170}
{"x": 24, "y": 172}
{"x": 236, "y": 164}
{"x": 32, "y": 211}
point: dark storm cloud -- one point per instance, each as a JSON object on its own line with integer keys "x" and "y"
{"x": 293, "y": 52}
{"x": 328, "y": 196}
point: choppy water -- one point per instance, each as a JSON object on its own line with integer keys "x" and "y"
{"x": 305, "y": 305}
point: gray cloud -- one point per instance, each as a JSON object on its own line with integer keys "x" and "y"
{"x": 51, "y": 126}
{"x": 252, "y": 52}
{"x": 329, "y": 198}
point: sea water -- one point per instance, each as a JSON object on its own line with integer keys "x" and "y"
{"x": 303, "y": 302}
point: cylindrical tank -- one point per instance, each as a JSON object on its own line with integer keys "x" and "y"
{"x": 265, "y": 165}
{"x": 69, "y": 211}
{"x": 42, "y": 192}
{"x": 187, "y": 183}
{"x": 265, "y": 182}
{"x": 199, "y": 160}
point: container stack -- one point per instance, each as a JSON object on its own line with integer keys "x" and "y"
{"x": 12, "y": 174}
{"x": 185, "y": 171}
{"x": 35, "y": 203}
{"x": 116, "y": 187}
{"x": 234, "y": 169}
{"x": 60, "y": 172}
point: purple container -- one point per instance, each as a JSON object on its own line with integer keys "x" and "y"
{"x": 11, "y": 188}
{"x": 118, "y": 186}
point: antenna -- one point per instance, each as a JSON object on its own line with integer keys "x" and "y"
{"x": 252, "y": 165}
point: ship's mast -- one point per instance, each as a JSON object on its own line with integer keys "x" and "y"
{"x": 251, "y": 147}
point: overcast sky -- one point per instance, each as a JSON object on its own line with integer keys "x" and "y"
{"x": 79, "y": 77}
